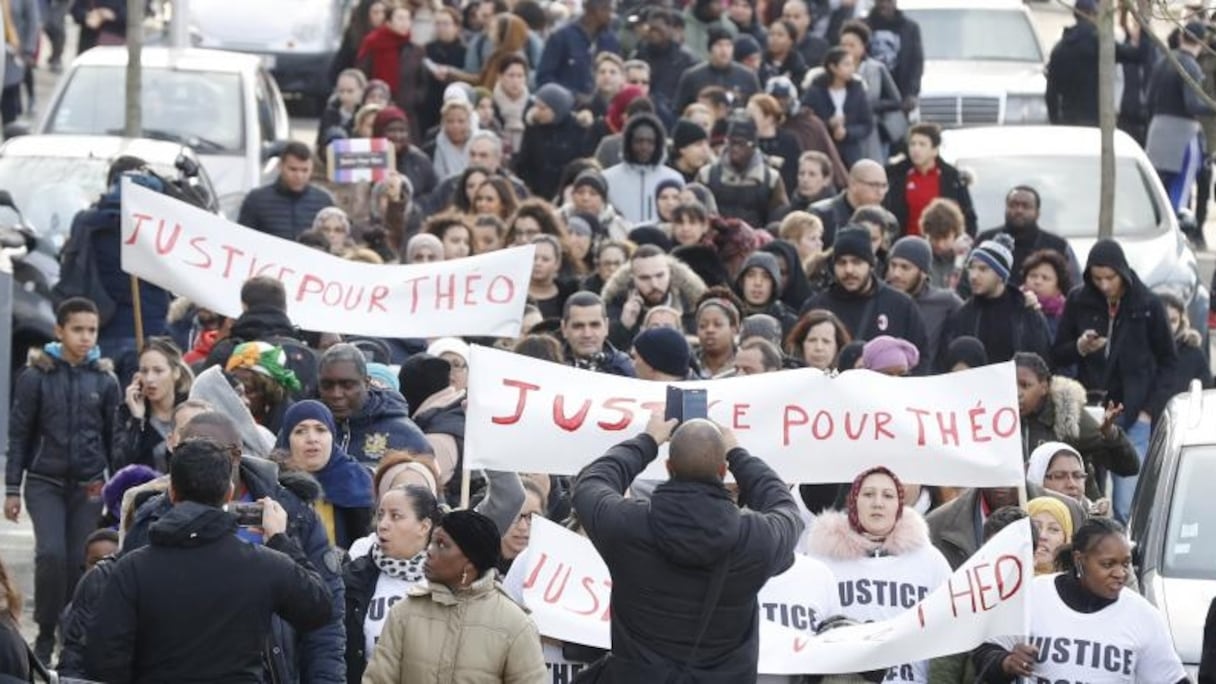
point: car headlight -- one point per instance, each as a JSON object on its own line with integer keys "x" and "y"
{"x": 1026, "y": 109}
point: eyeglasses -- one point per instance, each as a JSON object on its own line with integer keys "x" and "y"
{"x": 877, "y": 185}
{"x": 1076, "y": 476}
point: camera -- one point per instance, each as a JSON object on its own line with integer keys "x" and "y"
{"x": 686, "y": 404}
{"x": 247, "y": 514}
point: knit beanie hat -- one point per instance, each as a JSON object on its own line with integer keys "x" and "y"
{"x": 449, "y": 345}
{"x": 855, "y": 490}
{"x": 382, "y": 376}
{"x": 677, "y": 183}
{"x": 715, "y": 34}
{"x": 265, "y": 359}
{"x": 556, "y": 98}
{"x": 664, "y": 350}
{"x": 966, "y": 349}
{"x": 997, "y": 254}
{"x": 593, "y": 179}
{"x": 650, "y": 235}
{"x": 476, "y": 535}
{"x": 385, "y": 117}
{"x": 915, "y": 250}
{"x": 885, "y": 351}
{"x": 763, "y": 326}
{"x": 420, "y": 241}
{"x": 741, "y": 127}
{"x": 422, "y": 375}
{"x": 853, "y": 240}
{"x": 127, "y": 477}
{"x": 745, "y": 46}
{"x": 685, "y": 133}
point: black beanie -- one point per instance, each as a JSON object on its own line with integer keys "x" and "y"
{"x": 593, "y": 179}
{"x": 853, "y": 240}
{"x": 664, "y": 350}
{"x": 965, "y": 349}
{"x": 422, "y": 375}
{"x": 741, "y": 127}
{"x": 686, "y": 133}
{"x": 476, "y": 535}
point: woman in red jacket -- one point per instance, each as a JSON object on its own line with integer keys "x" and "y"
{"x": 387, "y": 54}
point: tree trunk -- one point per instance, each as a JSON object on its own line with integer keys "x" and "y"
{"x": 135, "y": 43}
{"x": 1106, "y": 115}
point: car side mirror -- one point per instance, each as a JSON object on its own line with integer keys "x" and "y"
{"x": 273, "y": 149}
{"x": 16, "y": 129}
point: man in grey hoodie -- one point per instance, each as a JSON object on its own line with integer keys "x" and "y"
{"x": 908, "y": 270}
{"x": 632, "y": 183}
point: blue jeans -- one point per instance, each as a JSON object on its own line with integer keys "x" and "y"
{"x": 1125, "y": 487}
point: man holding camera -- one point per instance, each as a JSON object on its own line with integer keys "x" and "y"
{"x": 687, "y": 564}
{"x": 214, "y": 631}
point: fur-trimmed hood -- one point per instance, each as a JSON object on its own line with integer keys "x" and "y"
{"x": 831, "y": 537}
{"x": 685, "y": 283}
{"x": 40, "y": 359}
{"x": 1067, "y": 403}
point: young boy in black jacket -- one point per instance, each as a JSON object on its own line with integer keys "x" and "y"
{"x": 61, "y": 444}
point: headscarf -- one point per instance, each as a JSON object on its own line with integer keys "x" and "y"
{"x": 615, "y": 117}
{"x": 1041, "y": 457}
{"x": 423, "y": 240}
{"x": 450, "y": 159}
{"x": 855, "y": 490}
{"x": 1056, "y": 509}
{"x": 213, "y": 387}
{"x": 476, "y": 535}
{"x": 345, "y": 483}
{"x": 265, "y": 359}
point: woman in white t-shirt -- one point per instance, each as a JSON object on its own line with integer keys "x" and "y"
{"x": 392, "y": 565}
{"x": 880, "y": 553}
{"x": 1085, "y": 624}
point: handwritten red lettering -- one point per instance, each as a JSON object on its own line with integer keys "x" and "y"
{"x": 139, "y": 223}
{"x": 520, "y": 402}
{"x": 793, "y": 416}
{"x": 571, "y": 423}
{"x": 621, "y": 406}
{"x": 470, "y": 281}
{"x": 739, "y": 413}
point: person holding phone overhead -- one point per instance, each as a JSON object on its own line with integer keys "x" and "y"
{"x": 687, "y": 564}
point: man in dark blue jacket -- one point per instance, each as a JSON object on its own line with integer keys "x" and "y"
{"x": 1115, "y": 331}
{"x": 286, "y": 207}
{"x": 316, "y": 655}
{"x": 569, "y": 54}
{"x": 370, "y": 420}
{"x": 149, "y": 629}
{"x": 662, "y": 553}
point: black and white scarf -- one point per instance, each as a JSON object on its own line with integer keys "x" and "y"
{"x": 409, "y": 569}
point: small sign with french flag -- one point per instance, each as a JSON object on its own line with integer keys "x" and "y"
{"x": 353, "y": 160}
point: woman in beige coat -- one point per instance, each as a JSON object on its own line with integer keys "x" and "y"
{"x": 460, "y": 628}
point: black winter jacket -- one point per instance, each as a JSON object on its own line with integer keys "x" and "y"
{"x": 315, "y": 655}
{"x": 662, "y": 554}
{"x": 62, "y": 423}
{"x": 1072, "y": 84}
{"x": 14, "y": 654}
{"x": 268, "y": 324}
{"x": 277, "y": 211}
{"x": 360, "y": 577}
{"x": 858, "y": 116}
{"x": 735, "y": 78}
{"x": 834, "y": 212}
{"x": 896, "y": 43}
{"x": 1139, "y": 353}
{"x": 881, "y": 311}
{"x": 78, "y": 619}
{"x": 544, "y": 152}
{"x": 1004, "y": 324}
{"x": 951, "y": 187}
{"x": 214, "y": 632}
{"x": 667, "y": 65}
{"x": 1026, "y": 241}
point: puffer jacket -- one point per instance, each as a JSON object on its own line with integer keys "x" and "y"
{"x": 62, "y": 424}
{"x": 444, "y": 637}
{"x": 277, "y": 211}
{"x": 313, "y": 656}
{"x": 1063, "y": 418}
{"x": 632, "y": 183}
{"x": 662, "y": 555}
{"x": 382, "y": 423}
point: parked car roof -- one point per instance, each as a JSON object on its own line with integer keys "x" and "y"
{"x": 1023, "y": 141}
{"x": 192, "y": 59}
{"x": 107, "y": 146}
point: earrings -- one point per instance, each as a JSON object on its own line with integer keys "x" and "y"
{"x": 464, "y": 576}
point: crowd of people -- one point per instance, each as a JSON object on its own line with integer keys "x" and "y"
{"x": 712, "y": 192}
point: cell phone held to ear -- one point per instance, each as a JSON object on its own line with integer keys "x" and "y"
{"x": 248, "y": 514}
{"x": 686, "y": 404}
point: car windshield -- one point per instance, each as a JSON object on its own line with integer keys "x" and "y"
{"x": 1069, "y": 187}
{"x": 1190, "y": 541}
{"x": 976, "y": 34}
{"x": 202, "y": 109}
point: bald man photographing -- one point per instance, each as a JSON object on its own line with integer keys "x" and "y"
{"x": 687, "y": 563}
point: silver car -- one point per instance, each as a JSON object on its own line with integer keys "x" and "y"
{"x": 1061, "y": 163}
{"x": 225, "y": 105}
{"x": 984, "y": 63}
{"x": 1173, "y": 520}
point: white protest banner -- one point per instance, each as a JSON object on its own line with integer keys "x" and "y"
{"x": 207, "y": 258}
{"x": 566, "y": 586}
{"x": 958, "y": 429}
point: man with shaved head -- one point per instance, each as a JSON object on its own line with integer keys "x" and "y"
{"x": 867, "y": 185}
{"x": 665, "y": 552}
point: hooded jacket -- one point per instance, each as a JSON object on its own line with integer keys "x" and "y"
{"x": 212, "y": 387}
{"x": 62, "y": 424}
{"x": 774, "y": 306}
{"x": 632, "y": 183}
{"x": 797, "y": 288}
{"x": 662, "y": 553}
{"x": 684, "y": 289}
{"x": 382, "y": 423}
{"x": 1139, "y": 351}
{"x": 214, "y": 632}
{"x": 315, "y": 655}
